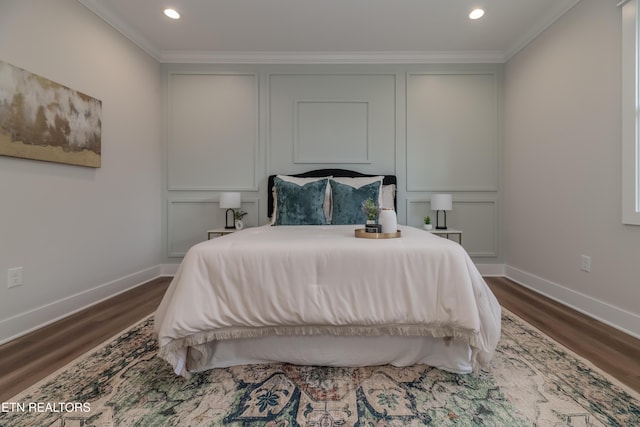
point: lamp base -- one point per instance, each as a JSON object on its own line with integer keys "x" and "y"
{"x": 231, "y": 226}
{"x": 438, "y": 226}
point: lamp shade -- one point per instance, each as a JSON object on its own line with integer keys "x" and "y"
{"x": 441, "y": 202}
{"x": 230, "y": 200}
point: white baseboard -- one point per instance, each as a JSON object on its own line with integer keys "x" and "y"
{"x": 618, "y": 318}
{"x": 169, "y": 269}
{"x": 23, "y": 323}
{"x": 491, "y": 270}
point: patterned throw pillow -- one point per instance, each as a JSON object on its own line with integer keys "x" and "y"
{"x": 347, "y": 202}
{"x": 359, "y": 181}
{"x": 301, "y": 181}
{"x": 300, "y": 204}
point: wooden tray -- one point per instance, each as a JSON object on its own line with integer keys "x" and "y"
{"x": 360, "y": 232}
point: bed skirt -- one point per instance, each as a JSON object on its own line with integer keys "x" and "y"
{"x": 328, "y": 350}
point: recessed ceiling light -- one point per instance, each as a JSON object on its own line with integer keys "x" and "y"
{"x": 172, "y": 14}
{"x": 476, "y": 13}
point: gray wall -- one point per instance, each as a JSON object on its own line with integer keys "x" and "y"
{"x": 80, "y": 234}
{"x": 436, "y": 127}
{"x": 562, "y": 172}
{"x": 533, "y": 193}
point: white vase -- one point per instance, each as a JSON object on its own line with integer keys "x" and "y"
{"x": 388, "y": 221}
{"x": 428, "y": 226}
{"x": 239, "y": 224}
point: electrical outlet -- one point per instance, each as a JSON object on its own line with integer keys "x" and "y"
{"x": 585, "y": 263}
{"x": 14, "y": 277}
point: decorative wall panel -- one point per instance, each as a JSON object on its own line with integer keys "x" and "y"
{"x": 213, "y": 132}
{"x": 332, "y": 119}
{"x": 452, "y": 132}
{"x": 331, "y": 132}
{"x": 478, "y": 220}
{"x": 230, "y": 126}
{"x": 189, "y": 220}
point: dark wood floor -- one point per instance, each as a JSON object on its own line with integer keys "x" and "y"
{"x": 611, "y": 350}
{"x": 32, "y": 357}
{"x": 26, "y": 360}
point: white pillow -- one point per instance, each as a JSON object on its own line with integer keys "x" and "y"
{"x": 326, "y": 206}
{"x": 359, "y": 181}
{"x": 388, "y": 196}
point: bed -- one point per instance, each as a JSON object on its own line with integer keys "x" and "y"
{"x": 314, "y": 294}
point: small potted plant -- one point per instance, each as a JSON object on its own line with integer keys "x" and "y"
{"x": 427, "y": 223}
{"x": 238, "y": 215}
{"x": 371, "y": 209}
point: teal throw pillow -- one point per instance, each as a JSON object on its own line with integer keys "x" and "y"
{"x": 347, "y": 202}
{"x": 300, "y": 205}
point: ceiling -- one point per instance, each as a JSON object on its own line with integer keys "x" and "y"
{"x": 337, "y": 31}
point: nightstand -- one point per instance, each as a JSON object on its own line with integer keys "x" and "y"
{"x": 448, "y": 232}
{"x": 220, "y": 232}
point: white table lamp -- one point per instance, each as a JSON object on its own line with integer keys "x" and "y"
{"x": 441, "y": 202}
{"x": 230, "y": 201}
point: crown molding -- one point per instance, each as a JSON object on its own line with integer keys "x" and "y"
{"x": 105, "y": 13}
{"x": 280, "y": 57}
{"x": 552, "y": 16}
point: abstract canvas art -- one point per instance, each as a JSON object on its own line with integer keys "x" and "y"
{"x": 44, "y": 120}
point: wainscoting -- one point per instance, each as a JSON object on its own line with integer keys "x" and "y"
{"x": 435, "y": 126}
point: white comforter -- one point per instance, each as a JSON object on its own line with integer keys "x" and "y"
{"x": 310, "y": 280}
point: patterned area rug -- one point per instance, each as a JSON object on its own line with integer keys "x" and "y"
{"x": 532, "y": 381}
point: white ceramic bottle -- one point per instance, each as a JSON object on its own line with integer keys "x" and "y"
{"x": 388, "y": 221}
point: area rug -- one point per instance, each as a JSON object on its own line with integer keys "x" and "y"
{"x": 532, "y": 381}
